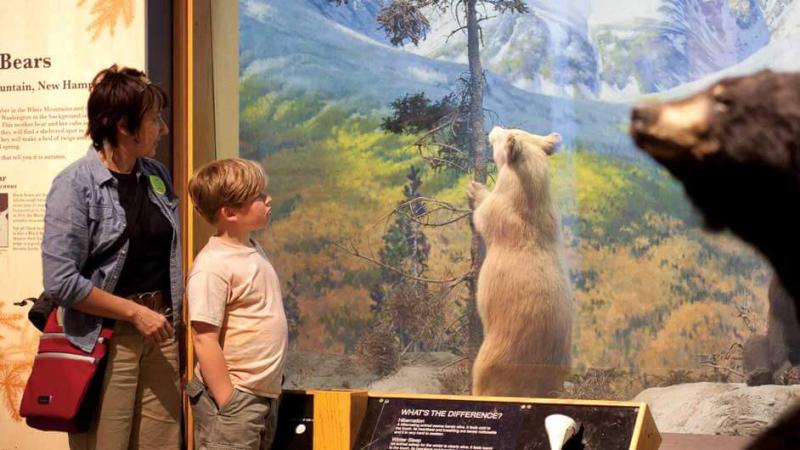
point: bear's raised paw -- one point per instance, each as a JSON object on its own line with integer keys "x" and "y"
{"x": 476, "y": 192}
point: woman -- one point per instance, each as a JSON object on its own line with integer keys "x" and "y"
{"x": 117, "y": 188}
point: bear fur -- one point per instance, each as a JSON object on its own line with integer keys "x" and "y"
{"x": 766, "y": 357}
{"x": 524, "y": 297}
{"x": 735, "y": 147}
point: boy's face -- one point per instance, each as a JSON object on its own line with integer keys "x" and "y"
{"x": 255, "y": 213}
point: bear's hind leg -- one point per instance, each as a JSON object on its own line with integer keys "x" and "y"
{"x": 494, "y": 378}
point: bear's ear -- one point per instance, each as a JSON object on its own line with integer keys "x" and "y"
{"x": 552, "y": 143}
{"x": 512, "y": 150}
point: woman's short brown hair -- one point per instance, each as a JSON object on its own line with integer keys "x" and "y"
{"x": 120, "y": 94}
{"x": 225, "y": 182}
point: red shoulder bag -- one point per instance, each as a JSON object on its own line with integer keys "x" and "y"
{"x": 63, "y": 390}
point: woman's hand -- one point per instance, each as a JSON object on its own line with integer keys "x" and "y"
{"x": 155, "y": 327}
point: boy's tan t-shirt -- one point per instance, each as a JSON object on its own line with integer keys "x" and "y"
{"x": 236, "y": 288}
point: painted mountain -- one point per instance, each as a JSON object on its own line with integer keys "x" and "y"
{"x": 308, "y": 46}
{"x": 654, "y": 292}
{"x": 600, "y": 49}
{"x": 587, "y": 49}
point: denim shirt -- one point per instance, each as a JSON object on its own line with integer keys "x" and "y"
{"x": 83, "y": 217}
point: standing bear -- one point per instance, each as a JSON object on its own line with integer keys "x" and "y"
{"x": 524, "y": 297}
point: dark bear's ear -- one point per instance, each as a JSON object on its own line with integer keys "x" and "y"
{"x": 512, "y": 149}
{"x": 552, "y": 143}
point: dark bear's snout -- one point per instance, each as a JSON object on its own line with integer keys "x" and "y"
{"x": 643, "y": 116}
{"x": 674, "y": 130}
{"x": 644, "y": 120}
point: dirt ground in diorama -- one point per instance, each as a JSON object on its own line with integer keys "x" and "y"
{"x": 365, "y": 145}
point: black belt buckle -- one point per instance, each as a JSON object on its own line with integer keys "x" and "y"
{"x": 148, "y": 299}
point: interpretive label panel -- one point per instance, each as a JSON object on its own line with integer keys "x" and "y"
{"x": 49, "y": 52}
{"x": 450, "y": 424}
{"x": 440, "y": 424}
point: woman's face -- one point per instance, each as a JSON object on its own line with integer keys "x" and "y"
{"x": 152, "y": 128}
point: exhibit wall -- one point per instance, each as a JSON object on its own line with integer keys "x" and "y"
{"x": 49, "y": 52}
{"x": 370, "y": 229}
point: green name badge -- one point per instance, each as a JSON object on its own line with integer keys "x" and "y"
{"x": 158, "y": 184}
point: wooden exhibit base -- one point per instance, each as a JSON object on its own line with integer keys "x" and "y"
{"x": 346, "y": 419}
{"x": 679, "y": 441}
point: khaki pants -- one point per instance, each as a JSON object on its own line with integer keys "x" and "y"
{"x": 246, "y": 422}
{"x": 140, "y": 401}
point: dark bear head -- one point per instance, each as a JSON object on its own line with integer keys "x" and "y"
{"x": 734, "y": 147}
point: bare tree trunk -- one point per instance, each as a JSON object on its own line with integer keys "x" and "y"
{"x": 478, "y": 154}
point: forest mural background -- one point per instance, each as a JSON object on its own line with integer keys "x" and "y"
{"x": 367, "y": 143}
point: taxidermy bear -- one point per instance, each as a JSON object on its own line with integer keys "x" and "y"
{"x": 524, "y": 297}
{"x": 736, "y": 148}
{"x": 767, "y": 356}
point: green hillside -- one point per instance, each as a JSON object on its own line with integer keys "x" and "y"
{"x": 653, "y": 291}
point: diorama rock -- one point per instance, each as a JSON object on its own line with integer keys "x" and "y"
{"x": 718, "y": 408}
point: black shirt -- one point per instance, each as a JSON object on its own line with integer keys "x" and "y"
{"x": 146, "y": 266}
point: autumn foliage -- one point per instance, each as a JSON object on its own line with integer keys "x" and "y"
{"x": 654, "y": 292}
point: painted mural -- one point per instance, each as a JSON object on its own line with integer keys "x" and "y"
{"x": 365, "y": 127}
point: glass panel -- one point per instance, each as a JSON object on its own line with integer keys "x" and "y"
{"x": 371, "y": 133}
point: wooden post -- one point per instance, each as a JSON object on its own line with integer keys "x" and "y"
{"x": 645, "y": 432}
{"x": 337, "y": 417}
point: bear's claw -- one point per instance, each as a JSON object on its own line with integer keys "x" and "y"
{"x": 476, "y": 191}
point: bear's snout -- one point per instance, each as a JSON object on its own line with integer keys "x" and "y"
{"x": 643, "y": 116}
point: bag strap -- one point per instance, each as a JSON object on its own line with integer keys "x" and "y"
{"x": 94, "y": 261}
{"x": 51, "y": 325}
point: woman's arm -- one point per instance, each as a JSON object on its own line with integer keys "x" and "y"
{"x": 65, "y": 243}
{"x": 65, "y": 249}
{"x": 205, "y": 338}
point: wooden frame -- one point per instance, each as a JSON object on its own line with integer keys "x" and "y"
{"x": 194, "y": 127}
{"x": 339, "y": 414}
{"x": 182, "y": 145}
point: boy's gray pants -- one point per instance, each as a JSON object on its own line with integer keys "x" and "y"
{"x": 246, "y": 422}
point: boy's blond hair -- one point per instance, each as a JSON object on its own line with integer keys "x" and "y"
{"x": 225, "y": 183}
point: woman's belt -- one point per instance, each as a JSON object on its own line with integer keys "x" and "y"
{"x": 153, "y": 300}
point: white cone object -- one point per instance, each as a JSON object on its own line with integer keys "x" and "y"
{"x": 559, "y": 429}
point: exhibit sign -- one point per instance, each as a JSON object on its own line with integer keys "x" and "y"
{"x": 398, "y": 422}
{"x": 49, "y": 53}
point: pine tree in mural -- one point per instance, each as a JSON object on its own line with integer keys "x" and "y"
{"x": 440, "y": 127}
{"x": 406, "y": 21}
{"x": 408, "y": 314}
{"x": 405, "y": 246}
{"x": 402, "y": 300}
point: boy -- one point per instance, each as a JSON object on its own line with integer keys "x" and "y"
{"x": 239, "y": 328}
